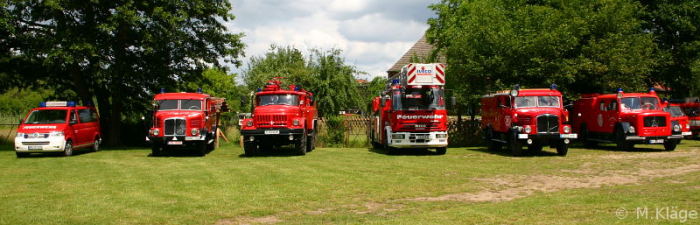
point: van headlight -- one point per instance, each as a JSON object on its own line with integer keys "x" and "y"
{"x": 20, "y": 134}
{"x": 56, "y": 134}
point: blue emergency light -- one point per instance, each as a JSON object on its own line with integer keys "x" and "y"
{"x": 395, "y": 81}
{"x": 553, "y": 87}
{"x": 651, "y": 89}
{"x": 619, "y": 89}
{"x": 259, "y": 89}
{"x": 42, "y": 104}
{"x": 162, "y": 90}
{"x": 199, "y": 90}
{"x": 297, "y": 88}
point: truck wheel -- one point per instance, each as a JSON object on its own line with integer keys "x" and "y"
{"x": 562, "y": 149}
{"x": 156, "y": 150}
{"x": 516, "y": 148}
{"x": 250, "y": 148}
{"x": 68, "y": 149}
{"x": 441, "y": 151}
{"x": 620, "y": 141}
{"x": 300, "y": 145}
{"x": 670, "y": 145}
{"x": 310, "y": 143}
{"x": 96, "y": 145}
{"x": 21, "y": 154}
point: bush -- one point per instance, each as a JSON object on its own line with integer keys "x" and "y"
{"x": 335, "y": 131}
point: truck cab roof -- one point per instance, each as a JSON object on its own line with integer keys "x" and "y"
{"x": 181, "y": 95}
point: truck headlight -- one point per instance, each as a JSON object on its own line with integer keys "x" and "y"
{"x": 56, "y": 134}
{"x": 676, "y": 128}
{"x": 567, "y": 129}
{"x": 397, "y": 136}
{"x": 20, "y": 134}
{"x": 194, "y": 131}
{"x": 155, "y": 132}
{"x": 296, "y": 122}
{"x": 249, "y": 123}
{"x": 632, "y": 130}
{"x": 527, "y": 129}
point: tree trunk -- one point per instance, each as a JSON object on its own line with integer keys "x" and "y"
{"x": 115, "y": 119}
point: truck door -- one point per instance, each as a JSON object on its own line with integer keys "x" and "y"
{"x": 611, "y": 116}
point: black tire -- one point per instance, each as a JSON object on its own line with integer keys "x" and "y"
{"x": 300, "y": 145}
{"x": 96, "y": 145}
{"x": 516, "y": 148}
{"x": 620, "y": 141}
{"x": 562, "y": 149}
{"x": 311, "y": 142}
{"x": 21, "y": 154}
{"x": 68, "y": 149}
{"x": 156, "y": 150}
{"x": 670, "y": 145}
{"x": 250, "y": 148}
{"x": 441, "y": 151}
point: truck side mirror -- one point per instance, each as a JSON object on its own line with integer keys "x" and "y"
{"x": 501, "y": 106}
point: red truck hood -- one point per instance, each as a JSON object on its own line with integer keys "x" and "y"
{"x": 41, "y": 128}
{"x": 184, "y": 114}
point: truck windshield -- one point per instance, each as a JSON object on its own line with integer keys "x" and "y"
{"x": 285, "y": 99}
{"x": 46, "y": 117}
{"x": 637, "y": 103}
{"x": 692, "y": 111}
{"x": 419, "y": 99}
{"x": 675, "y": 111}
{"x": 185, "y": 104}
{"x": 537, "y": 101}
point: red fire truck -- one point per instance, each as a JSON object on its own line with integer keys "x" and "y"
{"x": 532, "y": 117}
{"x": 280, "y": 117}
{"x": 625, "y": 119}
{"x": 692, "y": 110}
{"x": 411, "y": 112}
{"x": 679, "y": 117}
{"x": 58, "y": 126}
{"x": 185, "y": 120}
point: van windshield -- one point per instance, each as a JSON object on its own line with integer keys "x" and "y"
{"x": 46, "y": 117}
{"x": 537, "y": 101}
{"x": 282, "y": 99}
{"x": 637, "y": 103}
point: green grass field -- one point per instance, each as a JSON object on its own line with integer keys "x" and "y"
{"x": 355, "y": 185}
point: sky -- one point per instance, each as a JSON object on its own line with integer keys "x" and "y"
{"x": 373, "y": 34}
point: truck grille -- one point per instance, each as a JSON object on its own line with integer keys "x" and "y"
{"x": 36, "y": 143}
{"x": 271, "y": 120}
{"x": 654, "y": 121}
{"x": 547, "y": 124}
{"x": 175, "y": 127}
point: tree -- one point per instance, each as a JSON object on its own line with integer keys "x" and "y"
{"x": 324, "y": 73}
{"x": 216, "y": 82}
{"x": 377, "y": 85}
{"x": 582, "y": 45}
{"x": 118, "y": 52}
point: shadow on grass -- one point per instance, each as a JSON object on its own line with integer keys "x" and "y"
{"x": 403, "y": 151}
{"x": 283, "y": 151}
{"x": 179, "y": 152}
{"x": 613, "y": 148}
{"x": 546, "y": 152}
{"x": 76, "y": 153}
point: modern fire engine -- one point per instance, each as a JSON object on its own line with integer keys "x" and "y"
{"x": 625, "y": 119}
{"x": 58, "y": 126}
{"x": 532, "y": 117}
{"x": 280, "y": 117}
{"x": 411, "y": 112}
{"x": 692, "y": 110}
{"x": 185, "y": 120}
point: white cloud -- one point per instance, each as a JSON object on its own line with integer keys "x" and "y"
{"x": 372, "y": 34}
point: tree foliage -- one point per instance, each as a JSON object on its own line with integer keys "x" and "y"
{"x": 582, "y": 45}
{"x": 324, "y": 73}
{"x": 117, "y": 52}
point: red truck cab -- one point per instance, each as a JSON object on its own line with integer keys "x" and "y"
{"x": 280, "y": 117}
{"x": 58, "y": 126}
{"x": 411, "y": 112}
{"x": 625, "y": 119}
{"x": 532, "y": 117}
{"x": 185, "y": 120}
{"x": 692, "y": 110}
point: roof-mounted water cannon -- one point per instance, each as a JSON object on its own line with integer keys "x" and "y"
{"x": 619, "y": 92}
{"x": 515, "y": 91}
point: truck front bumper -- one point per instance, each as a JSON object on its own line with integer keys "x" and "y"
{"x": 176, "y": 140}
{"x": 653, "y": 139}
{"x": 38, "y": 145}
{"x": 436, "y": 139}
{"x": 543, "y": 138}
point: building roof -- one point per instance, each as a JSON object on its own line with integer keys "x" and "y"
{"x": 421, "y": 49}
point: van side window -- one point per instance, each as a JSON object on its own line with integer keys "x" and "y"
{"x": 85, "y": 115}
{"x": 73, "y": 118}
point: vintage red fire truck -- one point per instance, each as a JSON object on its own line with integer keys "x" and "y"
{"x": 185, "y": 121}
{"x": 679, "y": 117}
{"x": 58, "y": 126}
{"x": 532, "y": 117}
{"x": 411, "y": 112}
{"x": 692, "y": 110}
{"x": 625, "y": 119}
{"x": 280, "y": 117}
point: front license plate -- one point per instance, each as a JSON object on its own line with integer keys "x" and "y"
{"x": 272, "y": 132}
{"x": 569, "y": 136}
{"x": 657, "y": 141}
{"x": 35, "y": 148}
{"x": 174, "y": 142}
